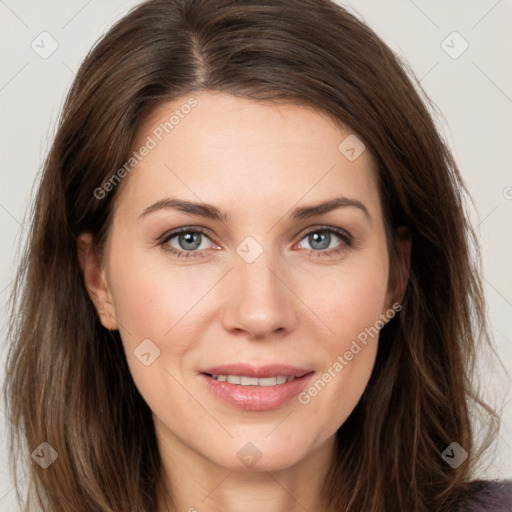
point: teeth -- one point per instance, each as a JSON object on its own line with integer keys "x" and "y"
{"x": 268, "y": 381}
{"x": 253, "y": 381}
{"x": 249, "y": 381}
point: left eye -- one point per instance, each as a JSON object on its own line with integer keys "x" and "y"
{"x": 320, "y": 239}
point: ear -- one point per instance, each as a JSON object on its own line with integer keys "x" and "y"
{"x": 399, "y": 275}
{"x": 96, "y": 281}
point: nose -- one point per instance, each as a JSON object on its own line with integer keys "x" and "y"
{"x": 260, "y": 303}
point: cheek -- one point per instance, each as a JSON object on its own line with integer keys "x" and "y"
{"x": 351, "y": 298}
{"x": 350, "y": 309}
{"x": 154, "y": 300}
{"x": 155, "y": 304}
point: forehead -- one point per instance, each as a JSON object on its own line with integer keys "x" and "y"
{"x": 242, "y": 152}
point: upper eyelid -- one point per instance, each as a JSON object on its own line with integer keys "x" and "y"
{"x": 335, "y": 230}
{"x": 186, "y": 229}
{"x": 303, "y": 233}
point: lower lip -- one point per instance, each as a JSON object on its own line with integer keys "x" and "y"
{"x": 256, "y": 398}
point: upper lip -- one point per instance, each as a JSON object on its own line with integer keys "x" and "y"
{"x": 249, "y": 370}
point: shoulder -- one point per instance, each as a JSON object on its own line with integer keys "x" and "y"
{"x": 489, "y": 496}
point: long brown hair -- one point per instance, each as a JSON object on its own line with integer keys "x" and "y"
{"x": 68, "y": 382}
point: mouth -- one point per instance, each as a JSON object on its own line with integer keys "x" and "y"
{"x": 256, "y": 388}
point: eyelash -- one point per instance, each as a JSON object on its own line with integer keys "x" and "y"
{"x": 344, "y": 236}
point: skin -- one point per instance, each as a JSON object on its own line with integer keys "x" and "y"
{"x": 257, "y": 161}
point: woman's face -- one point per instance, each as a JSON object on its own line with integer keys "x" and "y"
{"x": 255, "y": 280}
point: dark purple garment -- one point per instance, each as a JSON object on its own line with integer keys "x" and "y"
{"x": 490, "y": 496}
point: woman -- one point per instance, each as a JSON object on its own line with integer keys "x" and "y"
{"x": 249, "y": 283}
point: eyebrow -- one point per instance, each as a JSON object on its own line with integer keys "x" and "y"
{"x": 212, "y": 212}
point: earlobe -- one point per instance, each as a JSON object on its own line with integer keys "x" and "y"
{"x": 95, "y": 280}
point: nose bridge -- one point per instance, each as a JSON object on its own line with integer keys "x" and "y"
{"x": 255, "y": 270}
{"x": 259, "y": 302}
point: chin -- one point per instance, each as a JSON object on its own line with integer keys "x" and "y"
{"x": 260, "y": 453}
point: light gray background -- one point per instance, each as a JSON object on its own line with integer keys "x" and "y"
{"x": 473, "y": 92}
